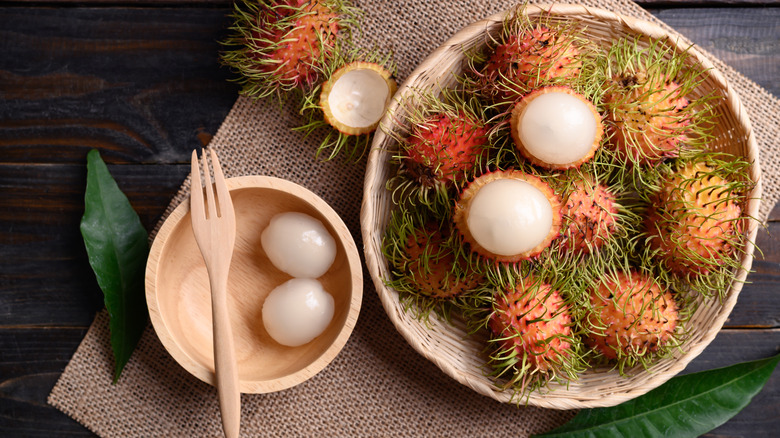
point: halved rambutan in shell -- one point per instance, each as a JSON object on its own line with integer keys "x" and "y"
{"x": 508, "y": 216}
{"x": 354, "y": 98}
{"x": 556, "y": 127}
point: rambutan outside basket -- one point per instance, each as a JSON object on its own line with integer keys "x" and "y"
{"x": 447, "y": 344}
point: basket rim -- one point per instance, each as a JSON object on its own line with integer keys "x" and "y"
{"x": 372, "y": 242}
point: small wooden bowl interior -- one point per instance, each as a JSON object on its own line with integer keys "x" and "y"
{"x": 179, "y": 299}
{"x": 449, "y": 346}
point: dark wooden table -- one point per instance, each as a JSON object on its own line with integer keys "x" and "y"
{"x": 141, "y": 82}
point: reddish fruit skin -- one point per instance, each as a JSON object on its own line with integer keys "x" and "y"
{"x": 630, "y": 316}
{"x": 526, "y": 60}
{"x": 691, "y": 224}
{"x": 302, "y": 44}
{"x": 534, "y": 322}
{"x": 648, "y": 119}
{"x": 591, "y": 214}
{"x": 445, "y": 149}
{"x": 431, "y": 265}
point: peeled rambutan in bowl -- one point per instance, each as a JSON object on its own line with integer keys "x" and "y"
{"x": 659, "y": 151}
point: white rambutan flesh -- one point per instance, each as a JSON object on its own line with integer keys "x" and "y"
{"x": 355, "y": 97}
{"x": 556, "y": 127}
{"x": 509, "y": 217}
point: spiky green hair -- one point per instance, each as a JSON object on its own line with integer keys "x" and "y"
{"x": 520, "y": 361}
{"x": 653, "y": 109}
{"x": 275, "y": 45}
{"x": 430, "y": 265}
{"x": 431, "y": 182}
{"x": 604, "y": 289}
{"x": 719, "y": 223}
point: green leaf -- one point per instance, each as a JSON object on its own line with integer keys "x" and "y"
{"x": 117, "y": 246}
{"x": 685, "y": 406}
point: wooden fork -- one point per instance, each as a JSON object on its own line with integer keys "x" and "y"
{"x": 214, "y": 225}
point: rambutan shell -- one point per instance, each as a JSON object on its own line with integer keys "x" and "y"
{"x": 690, "y": 224}
{"x": 535, "y": 322}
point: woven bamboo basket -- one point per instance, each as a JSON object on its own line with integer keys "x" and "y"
{"x": 447, "y": 344}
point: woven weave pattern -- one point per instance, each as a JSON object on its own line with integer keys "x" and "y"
{"x": 378, "y": 385}
{"x": 447, "y": 344}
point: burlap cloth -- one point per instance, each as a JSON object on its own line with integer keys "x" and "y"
{"x": 378, "y": 385}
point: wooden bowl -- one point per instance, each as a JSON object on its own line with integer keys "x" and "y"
{"x": 179, "y": 300}
{"x": 449, "y": 345}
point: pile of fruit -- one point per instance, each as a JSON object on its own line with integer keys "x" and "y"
{"x": 305, "y": 49}
{"x": 562, "y": 198}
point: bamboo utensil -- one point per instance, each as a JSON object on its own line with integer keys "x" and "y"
{"x": 214, "y": 226}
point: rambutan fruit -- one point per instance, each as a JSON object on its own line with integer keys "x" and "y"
{"x": 358, "y": 85}
{"x": 354, "y": 98}
{"x": 278, "y": 45}
{"x": 556, "y": 128}
{"x": 445, "y": 148}
{"x": 590, "y": 217}
{"x": 651, "y": 113}
{"x": 444, "y": 143}
{"x": 694, "y": 222}
{"x": 631, "y": 317}
{"x": 528, "y": 56}
{"x": 531, "y": 333}
{"x": 508, "y": 216}
{"x": 428, "y": 261}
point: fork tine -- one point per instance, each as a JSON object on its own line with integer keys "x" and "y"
{"x": 223, "y": 196}
{"x": 196, "y": 189}
{"x": 211, "y": 205}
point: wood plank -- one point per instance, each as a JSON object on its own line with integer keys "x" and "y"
{"x": 744, "y": 38}
{"x": 43, "y": 264}
{"x": 31, "y": 361}
{"x": 73, "y": 79}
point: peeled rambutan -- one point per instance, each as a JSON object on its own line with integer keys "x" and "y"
{"x": 279, "y": 45}
{"x": 531, "y": 326}
{"x": 555, "y": 127}
{"x": 508, "y": 216}
{"x": 526, "y": 59}
{"x": 354, "y": 98}
{"x": 631, "y": 316}
{"x": 590, "y": 217}
{"x": 694, "y": 220}
{"x": 446, "y": 148}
